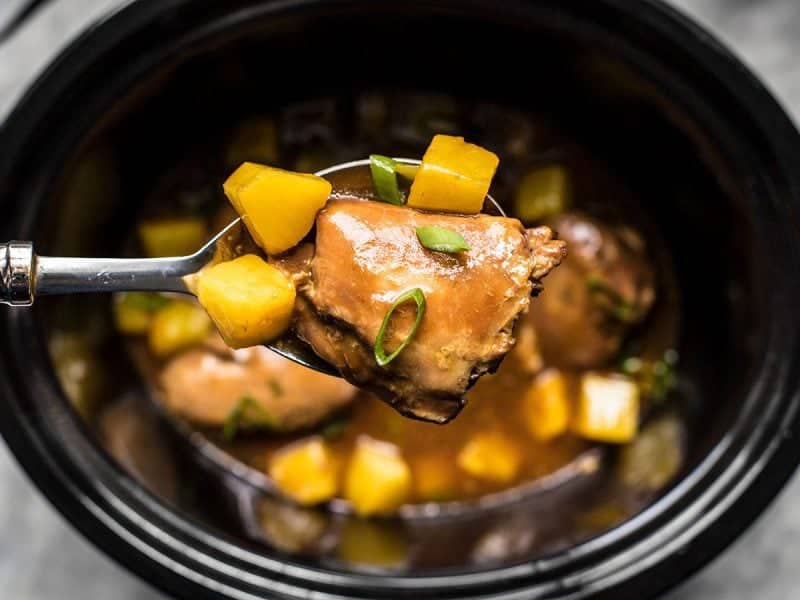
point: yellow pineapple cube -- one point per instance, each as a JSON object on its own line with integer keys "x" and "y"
{"x": 378, "y": 479}
{"x": 454, "y": 176}
{"x": 173, "y": 237}
{"x": 133, "y": 311}
{"x": 491, "y": 456}
{"x": 177, "y": 326}
{"x": 249, "y": 300}
{"x": 608, "y": 408}
{"x": 545, "y": 406}
{"x": 542, "y": 193}
{"x": 278, "y": 207}
{"x": 305, "y": 471}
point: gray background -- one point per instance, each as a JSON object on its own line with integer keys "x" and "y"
{"x": 41, "y": 558}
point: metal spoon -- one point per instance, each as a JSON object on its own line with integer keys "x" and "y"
{"x": 24, "y": 275}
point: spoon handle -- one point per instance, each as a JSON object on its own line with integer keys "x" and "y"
{"x": 24, "y": 275}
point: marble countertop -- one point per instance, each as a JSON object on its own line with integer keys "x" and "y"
{"x": 42, "y": 558}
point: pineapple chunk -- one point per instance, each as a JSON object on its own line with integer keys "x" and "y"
{"x": 542, "y": 193}
{"x": 176, "y": 327}
{"x": 305, "y": 471}
{"x": 378, "y": 480}
{"x": 454, "y": 176}
{"x": 608, "y": 408}
{"x": 491, "y": 456}
{"x": 172, "y": 237}
{"x": 250, "y": 301}
{"x": 133, "y": 311}
{"x": 545, "y": 406}
{"x": 278, "y": 207}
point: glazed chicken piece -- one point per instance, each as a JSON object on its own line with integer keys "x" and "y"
{"x": 206, "y": 383}
{"x": 367, "y": 254}
{"x": 604, "y": 287}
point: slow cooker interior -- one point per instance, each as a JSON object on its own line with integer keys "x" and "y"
{"x": 627, "y": 114}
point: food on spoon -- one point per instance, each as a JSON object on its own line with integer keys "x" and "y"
{"x": 177, "y": 326}
{"x": 305, "y": 471}
{"x": 374, "y": 270}
{"x": 277, "y": 206}
{"x": 367, "y": 257}
{"x": 384, "y": 178}
{"x": 173, "y": 237}
{"x": 378, "y": 479}
{"x": 454, "y": 176}
{"x": 441, "y": 239}
{"x": 211, "y": 385}
{"x": 608, "y": 408}
{"x": 546, "y": 405}
{"x": 249, "y": 300}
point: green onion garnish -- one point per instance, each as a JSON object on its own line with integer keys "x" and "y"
{"x": 380, "y": 354}
{"x": 611, "y": 301}
{"x": 384, "y": 178}
{"x": 441, "y": 239}
{"x": 236, "y": 418}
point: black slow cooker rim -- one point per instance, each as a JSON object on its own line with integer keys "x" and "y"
{"x": 112, "y": 515}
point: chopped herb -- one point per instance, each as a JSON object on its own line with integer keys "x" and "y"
{"x": 663, "y": 378}
{"x": 380, "y": 354}
{"x": 275, "y": 386}
{"x": 656, "y": 378}
{"x": 334, "y": 429}
{"x": 611, "y": 301}
{"x": 384, "y": 177}
{"x": 246, "y": 412}
{"x": 441, "y": 239}
{"x": 145, "y": 301}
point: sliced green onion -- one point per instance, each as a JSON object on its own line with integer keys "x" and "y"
{"x": 441, "y": 239}
{"x": 380, "y": 354}
{"x": 384, "y": 178}
{"x": 405, "y": 170}
{"x": 236, "y": 418}
{"x": 614, "y": 305}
